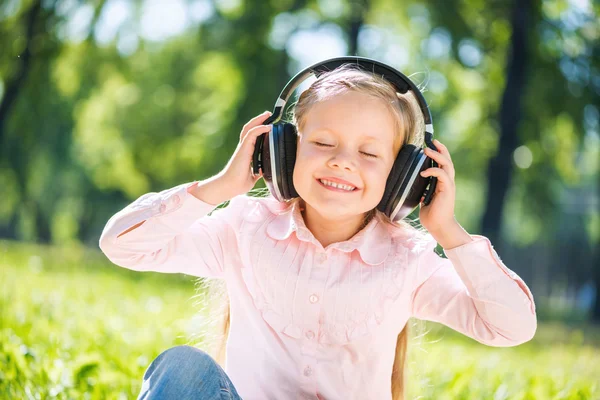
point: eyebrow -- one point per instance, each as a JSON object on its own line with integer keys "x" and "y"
{"x": 367, "y": 138}
{"x": 371, "y": 138}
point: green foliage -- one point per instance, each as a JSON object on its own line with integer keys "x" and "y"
{"x": 92, "y": 127}
{"x": 72, "y": 325}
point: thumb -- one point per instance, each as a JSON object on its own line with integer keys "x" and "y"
{"x": 256, "y": 177}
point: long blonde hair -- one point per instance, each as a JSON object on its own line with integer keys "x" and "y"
{"x": 409, "y": 128}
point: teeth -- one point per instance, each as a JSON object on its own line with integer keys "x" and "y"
{"x": 337, "y": 185}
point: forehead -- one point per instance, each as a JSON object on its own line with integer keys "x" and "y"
{"x": 353, "y": 114}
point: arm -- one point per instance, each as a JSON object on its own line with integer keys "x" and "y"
{"x": 171, "y": 232}
{"x": 474, "y": 293}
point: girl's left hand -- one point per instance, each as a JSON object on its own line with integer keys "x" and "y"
{"x": 439, "y": 214}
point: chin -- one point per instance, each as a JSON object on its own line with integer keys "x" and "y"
{"x": 333, "y": 208}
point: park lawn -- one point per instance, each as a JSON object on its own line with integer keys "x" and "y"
{"x": 75, "y": 326}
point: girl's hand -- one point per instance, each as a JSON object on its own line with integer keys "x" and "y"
{"x": 237, "y": 175}
{"x": 439, "y": 214}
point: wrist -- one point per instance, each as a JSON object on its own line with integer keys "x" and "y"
{"x": 211, "y": 191}
{"x": 451, "y": 235}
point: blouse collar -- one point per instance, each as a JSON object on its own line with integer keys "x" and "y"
{"x": 373, "y": 242}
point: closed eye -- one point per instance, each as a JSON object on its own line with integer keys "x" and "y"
{"x": 328, "y": 145}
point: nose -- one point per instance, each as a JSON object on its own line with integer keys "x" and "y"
{"x": 344, "y": 160}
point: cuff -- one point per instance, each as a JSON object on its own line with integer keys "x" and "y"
{"x": 177, "y": 209}
{"x": 477, "y": 263}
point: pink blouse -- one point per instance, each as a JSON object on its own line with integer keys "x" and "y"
{"x": 309, "y": 322}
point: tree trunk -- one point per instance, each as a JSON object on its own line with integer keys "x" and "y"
{"x": 13, "y": 88}
{"x": 358, "y": 9}
{"x": 501, "y": 167}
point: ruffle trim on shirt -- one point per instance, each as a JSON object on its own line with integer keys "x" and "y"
{"x": 275, "y": 320}
{"x": 338, "y": 334}
{"x": 329, "y": 333}
{"x": 396, "y": 280}
{"x": 405, "y": 246}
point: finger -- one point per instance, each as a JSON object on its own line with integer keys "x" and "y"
{"x": 254, "y": 133}
{"x": 258, "y": 175}
{"x": 438, "y": 157}
{"x": 444, "y": 179}
{"x": 441, "y": 160}
{"x": 256, "y": 121}
{"x": 442, "y": 149}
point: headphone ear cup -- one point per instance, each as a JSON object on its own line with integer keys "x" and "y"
{"x": 272, "y": 163}
{"x": 419, "y": 185}
{"x": 267, "y": 168}
{"x": 397, "y": 176}
{"x": 290, "y": 142}
{"x": 411, "y": 188}
{"x": 279, "y": 158}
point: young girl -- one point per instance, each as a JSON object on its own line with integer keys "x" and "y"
{"x": 321, "y": 287}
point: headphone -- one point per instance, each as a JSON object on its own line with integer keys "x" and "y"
{"x": 275, "y": 151}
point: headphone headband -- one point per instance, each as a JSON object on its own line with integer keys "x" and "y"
{"x": 405, "y": 186}
{"x": 398, "y": 79}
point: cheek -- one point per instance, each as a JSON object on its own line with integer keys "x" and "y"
{"x": 308, "y": 152}
{"x": 303, "y": 169}
{"x": 307, "y": 160}
{"x": 377, "y": 178}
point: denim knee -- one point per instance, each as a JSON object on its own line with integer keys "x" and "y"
{"x": 182, "y": 372}
{"x": 185, "y": 358}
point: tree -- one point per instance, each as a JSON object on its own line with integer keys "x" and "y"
{"x": 501, "y": 166}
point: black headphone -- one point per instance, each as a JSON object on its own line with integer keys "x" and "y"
{"x": 404, "y": 187}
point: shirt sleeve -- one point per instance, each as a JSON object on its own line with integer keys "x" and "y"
{"x": 177, "y": 234}
{"x": 474, "y": 293}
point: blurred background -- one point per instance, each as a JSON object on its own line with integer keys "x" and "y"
{"x": 102, "y": 101}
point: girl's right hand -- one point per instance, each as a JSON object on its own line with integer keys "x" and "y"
{"x": 237, "y": 175}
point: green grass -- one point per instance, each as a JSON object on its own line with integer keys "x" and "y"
{"x": 74, "y": 326}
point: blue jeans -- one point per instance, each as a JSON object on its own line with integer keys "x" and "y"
{"x": 185, "y": 373}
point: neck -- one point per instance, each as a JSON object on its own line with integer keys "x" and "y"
{"x": 327, "y": 230}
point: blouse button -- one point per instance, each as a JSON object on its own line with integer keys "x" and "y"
{"x": 176, "y": 199}
{"x": 310, "y": 334}
{"x": 322, "y": 257}
{"x": 162, "y": 208}
{"x": 313, "y": 298}
{"x": 307, "y": 371}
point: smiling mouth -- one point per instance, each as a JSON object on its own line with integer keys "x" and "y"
{"x": 336, "y": 189}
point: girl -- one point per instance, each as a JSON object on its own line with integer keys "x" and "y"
{"x": 321, "y": 287}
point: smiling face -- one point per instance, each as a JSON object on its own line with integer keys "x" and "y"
{"x": 352, "y": 137}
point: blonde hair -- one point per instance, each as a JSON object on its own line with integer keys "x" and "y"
{"x": 409, "y": 129}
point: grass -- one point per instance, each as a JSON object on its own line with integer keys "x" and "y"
{"x": 74, "y": 326}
